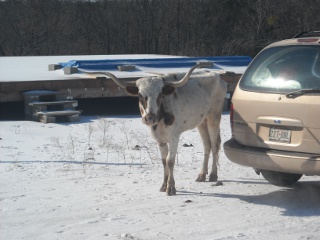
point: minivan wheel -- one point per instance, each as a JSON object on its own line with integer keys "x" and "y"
{"x": 280, "y": 178}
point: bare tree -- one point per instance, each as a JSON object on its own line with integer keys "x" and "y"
{"x": 178, "y": 27}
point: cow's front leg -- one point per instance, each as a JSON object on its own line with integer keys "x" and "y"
{"x": 171, "y": 189}
{"x": 163, "y": 147}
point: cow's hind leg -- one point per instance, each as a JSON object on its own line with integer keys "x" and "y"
{"x": 213, "y": 177}
{"x": 163, "y": 147}
{"x": 214, "y": 132}
{"x": 203, "y": 130}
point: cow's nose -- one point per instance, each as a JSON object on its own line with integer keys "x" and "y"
{"x": 151, "y": 118}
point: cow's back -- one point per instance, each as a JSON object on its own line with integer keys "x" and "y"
{"x": 191, "y": 103}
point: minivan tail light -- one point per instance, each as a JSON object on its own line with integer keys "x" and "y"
{"x": 308, "y": 40}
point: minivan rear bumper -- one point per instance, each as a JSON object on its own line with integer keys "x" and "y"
{"x": 281, "y": 161}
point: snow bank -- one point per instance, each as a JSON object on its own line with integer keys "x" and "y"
{"x": 100, "y": 179}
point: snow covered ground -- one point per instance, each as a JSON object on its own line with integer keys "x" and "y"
{"x": 100, "y": 179}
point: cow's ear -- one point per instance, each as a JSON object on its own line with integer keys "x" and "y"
{"x": 133, "y": 90}
{"x": 167, "y": 90}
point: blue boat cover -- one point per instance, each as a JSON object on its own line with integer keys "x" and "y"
{"x": 179, "y": 62}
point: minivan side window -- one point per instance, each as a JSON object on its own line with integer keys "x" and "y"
{"x": 283, "y": 69}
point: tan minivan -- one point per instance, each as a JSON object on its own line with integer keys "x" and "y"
{"x": 275, "y": 111}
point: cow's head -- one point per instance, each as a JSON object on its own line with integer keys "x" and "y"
{"x": 151, "y": 90}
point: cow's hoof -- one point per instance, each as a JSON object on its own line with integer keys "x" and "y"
{"x": 171, "y": 191}
{"x": 201, "y": 178}
{"x": 163, "y": 188}
{"x": 213, "y": 177}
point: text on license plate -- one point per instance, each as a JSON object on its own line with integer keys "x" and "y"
{"x": 280, "y": 135}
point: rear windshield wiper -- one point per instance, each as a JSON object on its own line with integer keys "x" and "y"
{"x": 302, "y": 92}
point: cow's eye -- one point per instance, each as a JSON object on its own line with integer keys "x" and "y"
{"x": 143, "y": 100}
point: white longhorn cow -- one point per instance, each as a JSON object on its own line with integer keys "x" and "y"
{"x": 170, "y": 106}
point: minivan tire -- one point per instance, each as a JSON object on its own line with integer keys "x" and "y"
{"x": 281, "y": 179}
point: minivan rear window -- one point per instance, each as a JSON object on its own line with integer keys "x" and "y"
{"x": 283, "y": 69}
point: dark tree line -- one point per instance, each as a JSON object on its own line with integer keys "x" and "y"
{"x": 177, "y": 27}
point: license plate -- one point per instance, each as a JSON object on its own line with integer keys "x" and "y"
{"x": 280, "y": 135}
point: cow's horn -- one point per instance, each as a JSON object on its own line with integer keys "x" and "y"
{"x": 186, "y": 77}
{"x": 113, "y": 77}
